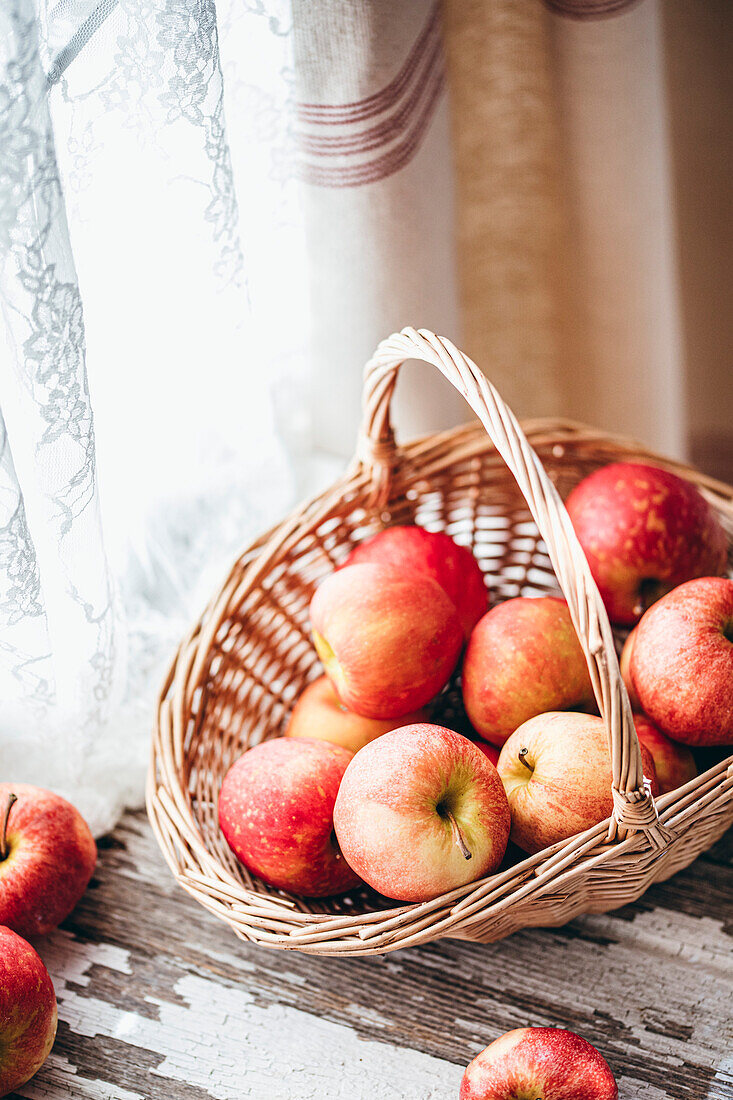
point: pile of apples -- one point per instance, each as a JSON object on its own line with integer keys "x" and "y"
{"x": 47, "y": 856}
{"x": 366, "y": 788}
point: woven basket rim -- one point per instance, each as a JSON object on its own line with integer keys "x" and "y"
{"x": 281, "y": 921}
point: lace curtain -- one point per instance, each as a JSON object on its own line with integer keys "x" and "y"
{"x": 138, "y": 444}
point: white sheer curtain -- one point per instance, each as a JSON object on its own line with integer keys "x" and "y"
{"x": 138, "y": 442}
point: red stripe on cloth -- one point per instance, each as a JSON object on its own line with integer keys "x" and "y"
{"x": 354, "y": 141}
{"x": 588, "y": 9}
{"x": 371, "y": 105}
{"x": 370, "y": 171}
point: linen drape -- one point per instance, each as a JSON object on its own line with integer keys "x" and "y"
{"x": 211, "y": 211}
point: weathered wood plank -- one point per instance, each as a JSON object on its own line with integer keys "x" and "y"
{"x": 158, "y": 999}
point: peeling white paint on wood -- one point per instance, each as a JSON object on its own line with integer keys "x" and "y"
{"x": 158, "y": 1000}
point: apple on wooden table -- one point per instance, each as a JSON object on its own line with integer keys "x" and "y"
{"x": 421, "y": 811}
{"x": 413, "y": 550}
{"x": 319, "y": 715}
{"x": 27, "y": 1012}
{"x": 388, "y": 641}
{"x": 47, "y": 856}
{"x": 556, "y": 770}
{"x": 682, "y": 662}
{"x": 522, "y": 659}
{"x": 539, "y": 1063}
{"x": 276, "y": 814}
{"x": 644, "y": 531}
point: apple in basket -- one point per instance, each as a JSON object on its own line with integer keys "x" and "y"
{"x": 276, "y": 814}
{"x": 421, "y": 811}
{"x": 644, "y": 531}
{"x": 27, "y": 1012}
{"x": 673, "y": 763}
{"x": 557, "y": 774}
{"x": 523, "y": 658}
{"x": 413, "y": 550}
{"x": 539, "y": 1063}
{"x": 625, "y": 667}
{"x": 491, "y": 752}
{"x": 319, "y": 715}
{"x": 47, "y": 856}
{"x": 388, "y": 641}
{"x": 682, "y": 662}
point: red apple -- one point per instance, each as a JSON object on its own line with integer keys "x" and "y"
{"x": 421, "y": 811}
{"x": 557, "y": 774}
{"x": 27, "y": 1012}
{"x": 523, "y": 658}
{"x": 682, "y": 662}
{"x": 674, "y": 764}
{"x": 539, "y": 1063}
{"x": 413, "y": 550}
{"x": 46, "y": 858}
{"x": 276, "y": 813}
{"x": 644, "y": 531}
{"x": 625, "y": 666}
{"x": 388, "y": 641}
{"x": 319, "y": 715}
{"x": 491, "y": 752}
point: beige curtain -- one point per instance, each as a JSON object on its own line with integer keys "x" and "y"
{"x": 592, "y": 147}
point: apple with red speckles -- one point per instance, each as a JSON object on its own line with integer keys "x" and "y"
{"x": 556, "y": 770}
{"x": 276, "y": 814}
{"x": 644, "y": 531}
{"x": 421, "y": 811}
{"x": 47, "y": 856}
{"x": 27, "y": 1012}
{"x": 388, "y": 641}
{"x": 539, "y": 1063}
{"x": 682, "y": 662}
{"x": 624, "y": 665}
{"x": 413, "y": 550}
{"x": 523, "y": 658}
{"x": 319, "y": 715}
{"x": 673, "y": 763}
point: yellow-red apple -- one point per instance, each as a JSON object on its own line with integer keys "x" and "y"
{"x": 27, "y": 1012}
{"x": 421, "y": 811}
{"x": 388, "y": 641}
{"x": 556, "y": 770}
{"x": 539, "y": 1063}
{"x": 523, "y": 658}
{"x": 625, "y": 667}
{"x": 673, "y": 763}
{"x": 276, "y": 813}
{"x": 319, "y": 715}
{"x": 47, "y": 856}
{"x": 434, "y": 554}
{"x": 644, "y": 530}
{"x": 682, "y": 662}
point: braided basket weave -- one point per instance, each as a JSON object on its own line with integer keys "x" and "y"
{"x": 237, "y": 675}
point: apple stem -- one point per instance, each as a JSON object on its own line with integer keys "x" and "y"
{"x": 457, "y": 836}
{"x": 12, "y": 799}
{"x": 522, "y": 754}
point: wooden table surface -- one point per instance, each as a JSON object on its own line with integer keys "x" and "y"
{"x": 157, "y": 999}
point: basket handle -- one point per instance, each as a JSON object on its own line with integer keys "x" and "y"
{"x": 634, "y": 807}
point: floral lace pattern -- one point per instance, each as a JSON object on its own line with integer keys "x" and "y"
{"x": 81, "y": 643}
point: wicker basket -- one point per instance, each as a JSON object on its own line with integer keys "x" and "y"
{"x": 238, "y": 673}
